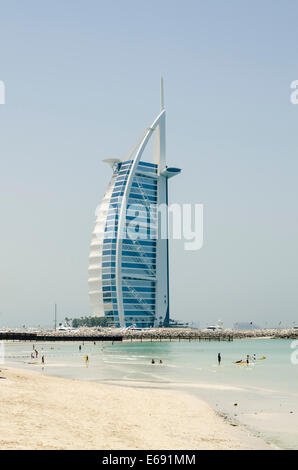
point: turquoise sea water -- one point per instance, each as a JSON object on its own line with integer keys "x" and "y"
{"x": 262, "y": 396}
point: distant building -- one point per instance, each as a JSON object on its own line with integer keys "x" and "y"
{"x": 246, "y": 326}
{"x": 178, "y": 324}
{"x": 129, "y": 274}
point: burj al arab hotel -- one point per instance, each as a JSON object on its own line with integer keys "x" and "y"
{"x": 129, "y": 252}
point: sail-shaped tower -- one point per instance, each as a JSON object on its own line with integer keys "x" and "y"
{"x": 129, "y": 252}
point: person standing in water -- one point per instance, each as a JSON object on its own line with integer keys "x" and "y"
{"x": 219, "y": 358}
{"x": 42, "y": 359}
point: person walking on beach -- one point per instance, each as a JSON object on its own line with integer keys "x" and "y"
{"x": 36, "y": 353}
{"x": 42, "y": 359}
{"x": 80, "y": 348}
{"x": 219, "y": 358}
{"x": 247, "y": 359}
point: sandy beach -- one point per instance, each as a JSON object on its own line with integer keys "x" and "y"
{"x": 42, "y": 412}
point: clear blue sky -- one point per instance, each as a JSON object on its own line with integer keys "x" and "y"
{"x": 82, "y": 83}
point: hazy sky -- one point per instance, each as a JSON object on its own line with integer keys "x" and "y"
{"x": 82, "y": 83}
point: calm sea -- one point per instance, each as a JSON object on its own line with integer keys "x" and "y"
{"x": 262, "y": 396}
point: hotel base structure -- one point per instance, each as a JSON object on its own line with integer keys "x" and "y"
{"x": 129, "y": 252}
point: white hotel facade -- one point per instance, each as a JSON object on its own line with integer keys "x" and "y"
{"x": 129, "y": 252}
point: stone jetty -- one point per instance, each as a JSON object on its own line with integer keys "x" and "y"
{"x": 150, "y": 334}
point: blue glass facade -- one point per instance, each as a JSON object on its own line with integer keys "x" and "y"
{"x": 138, "y": 255}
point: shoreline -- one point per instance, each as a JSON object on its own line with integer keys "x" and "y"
{"x": 46, "y": 412}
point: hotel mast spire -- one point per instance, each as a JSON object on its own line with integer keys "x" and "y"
{"x": 159, "y": 149}
{"x": 162, "y": 105}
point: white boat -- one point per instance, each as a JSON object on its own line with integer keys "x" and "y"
{"x": 65, "y": 328}
{"x": 213, "y": 328}
{"x": 133, "y": 328}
